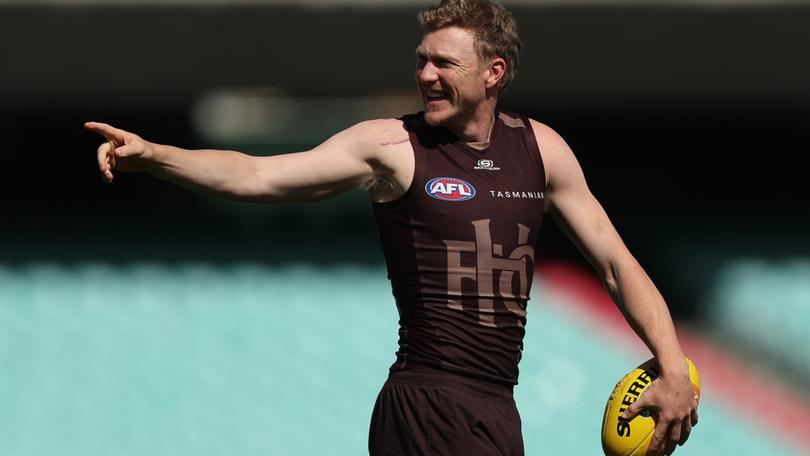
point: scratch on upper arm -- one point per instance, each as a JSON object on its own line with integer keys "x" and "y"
{"x": 393, "y": 143}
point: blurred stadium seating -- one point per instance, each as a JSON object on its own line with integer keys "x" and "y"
{"x": 246, "y": 359}
{"x": 765, "y": 304}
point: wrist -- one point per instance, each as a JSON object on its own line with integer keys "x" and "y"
{"x": 156, "y": 156}
{"x": 155, "y": 152}
{"x": 673, "y": 364}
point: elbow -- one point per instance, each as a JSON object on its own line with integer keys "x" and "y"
{"x": 249, "y": 190}
{"x": 617, "y": 271}
{"x": 610, "y": 277}
{"x": 257, "y": 186}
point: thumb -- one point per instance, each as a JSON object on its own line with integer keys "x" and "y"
{"x": 635, "y": 408}
{"x": 125, "y": 151}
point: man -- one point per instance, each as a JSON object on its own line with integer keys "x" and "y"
{"x": 459, "y": 192}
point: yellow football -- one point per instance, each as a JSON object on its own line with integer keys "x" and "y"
{"x": 621, "y": 437}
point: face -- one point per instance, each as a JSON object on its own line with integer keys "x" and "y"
{"x": 450, "y": 77}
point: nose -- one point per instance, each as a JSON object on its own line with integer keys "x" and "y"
{"x": 426, "y": 72}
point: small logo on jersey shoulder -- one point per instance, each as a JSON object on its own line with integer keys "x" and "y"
{"x": 486, "y": 164}
{"x": 450, "y": 189}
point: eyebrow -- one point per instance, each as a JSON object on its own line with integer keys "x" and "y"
{"x": 421, "y": 53}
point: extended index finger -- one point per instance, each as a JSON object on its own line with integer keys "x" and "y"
{"x": 106, "y": 130}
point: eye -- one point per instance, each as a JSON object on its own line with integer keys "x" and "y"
{"x": 420, "y": 61}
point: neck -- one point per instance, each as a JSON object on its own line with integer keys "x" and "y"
{"x": 478, "y": 127}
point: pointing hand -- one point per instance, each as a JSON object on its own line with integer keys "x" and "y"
{"x": 123, "y": 151}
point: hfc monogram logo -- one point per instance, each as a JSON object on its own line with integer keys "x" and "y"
{"x": 491, "y": 268}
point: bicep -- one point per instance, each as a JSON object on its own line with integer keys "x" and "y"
{"x": 340, "y": 163}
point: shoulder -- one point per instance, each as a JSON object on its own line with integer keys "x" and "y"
{"x": 381, "y": 126}
{"x": 558, "y": 158}
{"x": 381, "y": 141}
{"x": 372, "y": 134}
{"x": 547, "y": 138}
{"x": 365, "y": 140}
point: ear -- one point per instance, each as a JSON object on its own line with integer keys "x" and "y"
{"x": 496, "y": 69}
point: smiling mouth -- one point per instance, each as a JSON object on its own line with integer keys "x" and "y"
{"x": 435, "y": 95}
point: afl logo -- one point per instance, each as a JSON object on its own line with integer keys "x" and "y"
{"x": 449, "y": 189}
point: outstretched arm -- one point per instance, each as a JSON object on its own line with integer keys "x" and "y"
{"x": 585, "y": 222}
{"x": 342, "y": 162}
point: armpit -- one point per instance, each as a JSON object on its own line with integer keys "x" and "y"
{"x": 380, "y": 184}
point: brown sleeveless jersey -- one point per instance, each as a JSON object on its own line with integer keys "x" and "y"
{"x": 459, "y": 246}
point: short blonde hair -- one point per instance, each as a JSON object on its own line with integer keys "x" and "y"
{"x": 494, "y": 28}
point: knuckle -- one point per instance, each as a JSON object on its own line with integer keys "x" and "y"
{"x": 632, "y": 407}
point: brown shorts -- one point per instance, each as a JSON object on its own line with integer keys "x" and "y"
{"x": 430, "y": 412}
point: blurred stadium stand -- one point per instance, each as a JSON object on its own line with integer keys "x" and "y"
{"x": 688, "y": 118}
{"x": 766, "y": 305}
{"x": 240, "y": 358}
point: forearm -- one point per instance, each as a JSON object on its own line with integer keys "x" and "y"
{"x": 646, "y": 311}
{"x": 226, "y": 174}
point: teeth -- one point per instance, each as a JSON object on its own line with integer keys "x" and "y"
{"x": 434, "y": 94}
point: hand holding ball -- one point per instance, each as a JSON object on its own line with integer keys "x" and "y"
{"x": 622, "y": 437}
